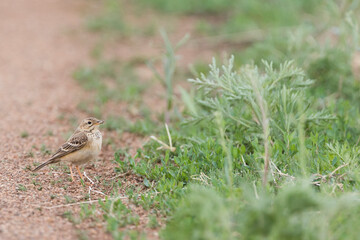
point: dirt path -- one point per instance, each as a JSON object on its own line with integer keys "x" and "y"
{"x": 38, "y": 97}
{"x": 37, "y": 56}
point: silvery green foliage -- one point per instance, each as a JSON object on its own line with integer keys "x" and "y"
{"x": 238, "y": 95}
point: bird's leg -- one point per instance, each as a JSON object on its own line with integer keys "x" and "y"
{"x": 81, "y": 176}
{"x": 71, "y": 173}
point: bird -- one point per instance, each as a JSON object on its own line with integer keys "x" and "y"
{"x": 83, "y": 146}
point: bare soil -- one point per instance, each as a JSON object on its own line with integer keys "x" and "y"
{"x": 38, "y": 53}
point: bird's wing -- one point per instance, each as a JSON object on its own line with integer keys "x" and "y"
{"x": 75, "y": 142}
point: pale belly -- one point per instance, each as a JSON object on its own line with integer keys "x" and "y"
{"x": 88, "y": 153}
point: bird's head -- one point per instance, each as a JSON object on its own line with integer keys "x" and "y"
{"x": 90, "y": 124}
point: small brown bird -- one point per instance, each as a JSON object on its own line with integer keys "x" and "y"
{"x": 83, "y": 146}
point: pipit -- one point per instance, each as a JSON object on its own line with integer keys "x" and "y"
{"x": 83, "y": 146}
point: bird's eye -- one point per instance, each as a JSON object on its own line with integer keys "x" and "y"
{"x": 89, "y": 122}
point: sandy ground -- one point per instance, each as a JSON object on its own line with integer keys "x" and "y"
{"x": 38, "y": 54}
{"x": 41, "y": 43}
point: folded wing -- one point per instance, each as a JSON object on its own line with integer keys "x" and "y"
{"x": 75, "y": 143}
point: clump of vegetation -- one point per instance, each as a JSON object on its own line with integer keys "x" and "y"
{"x": 260, "y": 15}
{"x": 198, "y": 216}
{"x": 111, "y": 81}
{"x": 21, "y": 187}
{"x": 45, "y": 150}
{"x": 117, "y": 215}
{"x": 263, "y": 148}
{"x": 190, "y": 7}
{"x": 24, "y": 134}
{"x": 235, "y": 116}
{"x": 141, "y": 126}
{"x": 296, "y": 212}
{"x": 169, "y": 65}
{"x": 331, "y": 75}
{"x": 110, "y": 20}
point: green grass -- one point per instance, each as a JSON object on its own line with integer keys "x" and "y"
{"x": 109, "y": 19}
{"x": 296, "y": 212}
{"x": 24, "y": 134}
{"x": 45, "y": 150}
{"x": 142, "y": 127}
{"x": 267, "y": 144}
{"x": 188, "y": 6}
{"x": 21, "y": 187}
{"x": 111, "y": 81}
{"x": 305, "y": 141}
{"x": 70, "y": 216}
{"x": 221, "y": 146}
{"x": 249, "y": 15}
{"x": 169, "y": 60}
{"x": 118, "y": 215}
{"x": 240, "y": 15}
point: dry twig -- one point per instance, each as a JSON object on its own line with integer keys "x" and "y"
{"x": 164, "y": 145}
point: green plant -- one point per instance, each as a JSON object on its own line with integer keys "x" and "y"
{"x": 110, "y": 20}
{"x": 111, "y": 81}
{"x": 222, "y": 145}
{"x": 117, "y": 215}
{"x": 87, "y": 211}
{"x": 188, "y": 6}
{"x": 69, "y": 216}
{"x": 82, "y": 235}
{"x": 264, "y": 150}
{"x": 296, "y": 212}
{"x": 153, "y": 222}
{"x": 271, "y": 99}
{"x": 199, "y": 218}
{"x": 255, "y": 15}
{"x": 24, "y": 134}
{"x": 21, "y": 187}
{"x": 169, "y": 66}
{"x": 44, "y": 150}
{"x": 30, "y": 154}
{"x": 69, "y": 199}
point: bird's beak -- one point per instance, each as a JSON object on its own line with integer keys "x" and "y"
{"x": 99, "y": 122}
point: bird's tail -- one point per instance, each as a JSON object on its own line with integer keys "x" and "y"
{"x": 50, "y": 161}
